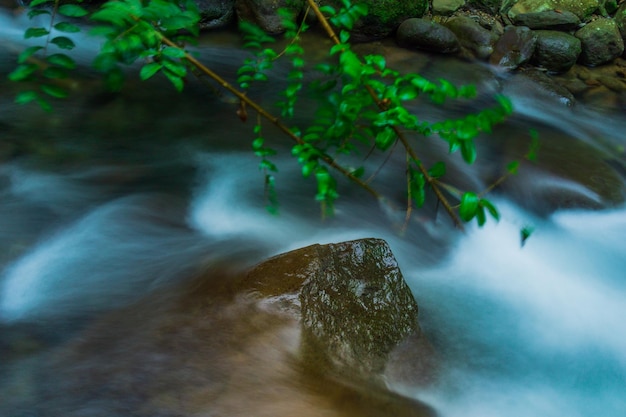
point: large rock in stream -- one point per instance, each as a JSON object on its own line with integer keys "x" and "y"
{"x": 354, "y": 304}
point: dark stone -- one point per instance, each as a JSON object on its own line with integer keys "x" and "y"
{"x": 355, "y": 306}
{"x": 556, "y": 51}
{"x": 426, "y": 35}
{"x": 548, "y": 19}
{"x": 472, "y": 36}
{"x": 514, "y": 48}
{"x": 215, "y": 13}
{"x": 601, "y": 42}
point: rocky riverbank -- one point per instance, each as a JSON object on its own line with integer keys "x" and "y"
{"x": 573, "y": 48}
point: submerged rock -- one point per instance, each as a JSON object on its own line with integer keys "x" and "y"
{"x": 472, "y": 36}
{"x": 515, "y": 47}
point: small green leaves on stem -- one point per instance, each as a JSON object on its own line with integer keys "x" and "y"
{"x": 472, "y": 206}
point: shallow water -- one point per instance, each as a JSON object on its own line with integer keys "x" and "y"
{"x": 112, "y": 205}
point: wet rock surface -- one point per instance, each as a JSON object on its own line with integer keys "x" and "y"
{"x": 351, "y": 297}
{"x": 427, "y": 35}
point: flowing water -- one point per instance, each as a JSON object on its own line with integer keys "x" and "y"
{"x": 111, "y": 205}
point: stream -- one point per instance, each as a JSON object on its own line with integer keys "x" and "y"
{"x": 114, "y": 205}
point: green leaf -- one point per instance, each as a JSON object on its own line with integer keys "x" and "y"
{"x": 534, "y": 146}
{"x": 490, "y": 208}
{"x": 61, "y": 60}
{"x": 72, "y": 10}
{"x": 54, "y": 91}
{"x": 149, "y": 70}
{"x": 481, "y": 218}
{"x": 25, "y": 97}
{"x": 408, "y": 92}
{"x": 513, "y": 167}
{"x": 438, "y": 170}
{"x": 37, "y": 12}
{"x": 22, "y": 72}
{"x": 66, "y": 27}
{"x": 27, "y": 53}
{"x": 417, "y": 184}
{"x": 38, "y": 2}
{"x": 525, "y": 233}
{"x": 175, "y": 68}
{"x": 175, "y": 80}
{"x": 35, "y": 33}
{"x": 469, "y": 206}
{"x": 63, "y": 42}
{"x": 505, "y": 103}
{"x": 54, "y": 72}
{"x": 385, "y": 138}
{"x": 468, "y": 151}
{"x": 172, "y": 52}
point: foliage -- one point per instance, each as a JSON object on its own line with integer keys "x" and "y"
{"x": 36, "y": 63}
{"x": 361, "y": 101}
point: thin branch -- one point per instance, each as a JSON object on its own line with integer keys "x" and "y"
{"x": 265, "y": 114}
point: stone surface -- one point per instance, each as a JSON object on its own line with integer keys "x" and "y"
{"x": 549, "y": 19}
{"x": 472, "y": 35}
{"x": 426, "y": 35}
{"x": 515, "y": 47}
{"x": 581, "y": 8}
{"x": 556, "y": 51}
{"x": 215, "y": 13}
{"x": 355, "y": 306}
{"x": 446, "y": 7}
{"x": 601, "y": 42}
{"x": 263, "y": 12}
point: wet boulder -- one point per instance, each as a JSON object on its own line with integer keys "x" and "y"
{"x": 548, "y": 19}
{"x": 424, "y": 34}
{"x": 352, "y": 300}
{"x": 446, "y": 7}
{"x": 264, "y": 12}
{"x": 215, "y": 13}
{"x": 601, "y": 42}
{"x": 581, "y": 8}
{"x": 514, "y": 48}
{"x": 472, "y": 36}
{"x": 556, "y": 51}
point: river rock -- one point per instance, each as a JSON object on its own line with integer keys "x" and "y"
{"x": 263, "y": 12}
{"x": 581, "y": 8}
{"x": 355, "y": 306}
{"x": 556, "y": 51}
{"x": 383, "y": 17}
{"x": 515, "y": 47}
{"x": 472, "y": 36}
{"x": 215, "y": 13}
{"x": 601, "y": 42}
{"x": 446, "y": 7}
{"x": 426, "y": 35}
{"x": 548, "y": 19}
